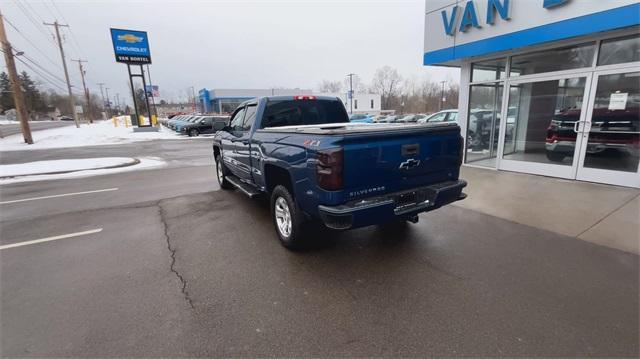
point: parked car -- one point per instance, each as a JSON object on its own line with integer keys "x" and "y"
{"x": 315, "y": 166}
{"x": 202, "y": 125}
{"x": 379, "y": 118}
{"x": 178, "y": 126}
{"x": 361, "y": 118}
{"x": 442, "y": 116}
{"x": 389, "y": 119}
{"x": 65, "y": 118}
{"x": 173, "y": 124}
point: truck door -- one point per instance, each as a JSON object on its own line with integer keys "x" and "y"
{"x": 242, "y": 145}
{"x": 229, "y": 141}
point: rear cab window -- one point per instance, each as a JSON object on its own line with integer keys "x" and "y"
{"x": 280, "y": 113}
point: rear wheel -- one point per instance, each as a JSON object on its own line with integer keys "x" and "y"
{"x": 288, "y": 219}
{"x": 221, "y": 174}
{"x": 555, "y": 156}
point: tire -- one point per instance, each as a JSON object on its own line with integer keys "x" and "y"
{"x": 555, "y": 156}
{"x": 221, "y": 174}
{"x": 288, "y": 219}
{"x": 193, "y": 132}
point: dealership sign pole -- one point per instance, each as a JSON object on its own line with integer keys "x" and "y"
{"x": 132, "y": 48}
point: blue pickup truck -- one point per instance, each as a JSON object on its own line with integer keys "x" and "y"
{"x": 315, "y": 165}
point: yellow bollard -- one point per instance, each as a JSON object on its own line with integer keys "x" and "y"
{"x": 141, "y": 120}
{"x": 115, "y": 122}
{"x": 126, "y": 121}
{"x": 154, "y": 120}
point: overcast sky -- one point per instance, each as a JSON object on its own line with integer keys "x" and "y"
{"x": 229, "y": 44}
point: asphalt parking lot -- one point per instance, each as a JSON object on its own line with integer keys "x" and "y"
{"x": 173, "y": 266}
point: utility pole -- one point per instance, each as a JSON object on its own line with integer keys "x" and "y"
{"x": 442, "y": 95}
{"x": 350, "y": 76}
{"x": 18, "y": 99}
{"x": 57, "y": 26}
{"x": 102, "y": 96}
{"x": 86, "y": 92}
{"x": 108, "y": 102}
{"x": 117, "y": 103}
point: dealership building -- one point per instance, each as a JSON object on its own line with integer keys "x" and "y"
{"x": 226, "y": 100}
{"x": 548, "y": 87}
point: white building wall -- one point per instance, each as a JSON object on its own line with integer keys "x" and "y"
{"x": 362, "y": 102}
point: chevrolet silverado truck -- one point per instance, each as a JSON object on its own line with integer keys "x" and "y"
{"x": 315, "y": 165}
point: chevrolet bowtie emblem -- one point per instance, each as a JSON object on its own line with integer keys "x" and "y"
{"x": 130, "y": 38}
{"x": 409, "y": 164}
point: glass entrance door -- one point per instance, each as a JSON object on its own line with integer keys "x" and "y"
{"x": 544, "y": 117}
{"x": 610, "y": 133}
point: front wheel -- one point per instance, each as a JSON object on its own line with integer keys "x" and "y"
{"x": 287, "y": 218}
{"x": 193, "y": 132}
{"x": 221, "y": 174}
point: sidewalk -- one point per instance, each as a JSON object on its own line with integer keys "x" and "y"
{"x": 601, "y": 214}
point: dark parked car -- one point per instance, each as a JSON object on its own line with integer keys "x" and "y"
{"x": 202, "y": 125}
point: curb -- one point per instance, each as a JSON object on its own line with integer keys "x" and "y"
{"x": 135, "y": 161}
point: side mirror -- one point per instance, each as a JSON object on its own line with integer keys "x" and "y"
{"x": 219, "y": 126}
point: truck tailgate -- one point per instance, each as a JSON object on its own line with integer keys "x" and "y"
{"x": 394, "y": 159}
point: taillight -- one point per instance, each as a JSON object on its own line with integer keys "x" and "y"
{"x": 329, "y": 169}
{"x": 304, "y": 97}
{"x": 460, "y": 151}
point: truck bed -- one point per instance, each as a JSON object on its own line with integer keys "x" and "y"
{"x": 352, "y": 128}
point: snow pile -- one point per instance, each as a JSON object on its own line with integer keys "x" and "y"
{"x": 145, "y": 163}
{"x": 99, "y": 133}
{"x": 41, "y": 167}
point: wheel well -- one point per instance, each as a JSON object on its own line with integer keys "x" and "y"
{"x": 216, "y": 151}
{"x": 274, "y": 175}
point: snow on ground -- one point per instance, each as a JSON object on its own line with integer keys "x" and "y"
{"x": 39, "y": 167}
{"x": 145, "y": 163}
{"x": 99, "y": 133}
{"x": 8, "y": 122}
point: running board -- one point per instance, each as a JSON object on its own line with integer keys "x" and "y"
{"x": 243, "y": 187}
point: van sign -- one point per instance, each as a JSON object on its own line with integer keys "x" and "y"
{"x": 469, "y": 15}
{"x": 131, "y": 46}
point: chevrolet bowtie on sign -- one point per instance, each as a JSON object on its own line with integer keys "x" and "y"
{"x": 131, "y": 46}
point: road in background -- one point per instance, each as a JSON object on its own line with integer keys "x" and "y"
{"x": 12, "y": 129}
{"x": 173, "y": 266}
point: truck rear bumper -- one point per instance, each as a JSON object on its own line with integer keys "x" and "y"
{"x": 392, "y": 206}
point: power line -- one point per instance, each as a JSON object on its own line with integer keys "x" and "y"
{"x": 32, "y": 44}
{"x": 32, "y": 20}
{"x": 73, "y": 37}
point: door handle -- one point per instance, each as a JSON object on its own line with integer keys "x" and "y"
{"x": 576, "y": 126}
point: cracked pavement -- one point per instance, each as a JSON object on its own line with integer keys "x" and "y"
{"x": 183, "y": 269}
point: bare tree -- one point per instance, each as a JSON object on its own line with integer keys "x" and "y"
{"x": 386, "y": 82}
{"x": 327, "y": 86}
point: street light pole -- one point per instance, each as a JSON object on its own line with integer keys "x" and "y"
{"x": 350, "y": 76}
{"x": 442, "y": 95}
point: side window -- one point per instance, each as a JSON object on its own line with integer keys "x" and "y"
{"x": 249, "y": 117}
{"x": 453, "y": 117}
{"x": 438, "y": 117}
{"x": 236, "y": 121}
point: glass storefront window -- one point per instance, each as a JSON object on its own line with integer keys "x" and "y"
{"x": 541, "y": 119}
{"x": 614, "y": 137}
{"x": 483, "y": 124}
{"x": 566, "y": 58}
{"x": 488, "y": 70}
{"x": 620, "y": 50}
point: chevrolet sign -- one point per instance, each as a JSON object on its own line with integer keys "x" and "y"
{"x": 131, "y": 46}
